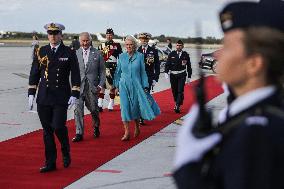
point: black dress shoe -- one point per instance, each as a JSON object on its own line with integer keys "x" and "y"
{"x": 97, "y": 132}
{"x": 141, "y": 121}
{"x": 177, "y": 109}
{"x": 47, "y": 168}
{"x": 77, "y": 138}
{"x": 100, "y": 109}
{"x": 66, "y": 160}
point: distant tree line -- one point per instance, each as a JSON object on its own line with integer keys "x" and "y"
{"x": 207, "y": 40}
{"x": 161, "y": 38}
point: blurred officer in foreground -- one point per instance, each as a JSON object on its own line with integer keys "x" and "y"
{"x": 110, "y": 51}
{"x": 247, "y": 150}
{"x": 92, "y": 71}
{"x": 49, "y": 76}
{"x": 151, "y": 60}
{"x": 178, "y": 66}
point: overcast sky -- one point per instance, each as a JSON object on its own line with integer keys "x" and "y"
{"x": 168, "y": 17}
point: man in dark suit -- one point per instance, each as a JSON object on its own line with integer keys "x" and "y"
{"x": 75, "y": 44}
{"x": 151, "y": 60}
{"x": 169, "y": 41}
{"x": 50, "y": 75}
{"x": 178, "y": 66}
{"x": 92, "y": 71}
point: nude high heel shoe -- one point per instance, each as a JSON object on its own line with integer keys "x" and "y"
{"x": 125, "y": 137}
{"x": 137, "y": 132}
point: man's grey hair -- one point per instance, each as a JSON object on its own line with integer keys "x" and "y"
{"x": 85, "y": 34}
{"x": 133, "y": 39}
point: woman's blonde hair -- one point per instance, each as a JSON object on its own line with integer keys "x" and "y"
{"x": 133, "y": 39}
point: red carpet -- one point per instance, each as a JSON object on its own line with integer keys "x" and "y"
{"x": 21, "y": 157}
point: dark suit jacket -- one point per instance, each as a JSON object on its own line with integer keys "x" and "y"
{"x": 50, "y": 75}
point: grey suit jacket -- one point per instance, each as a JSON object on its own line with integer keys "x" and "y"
{"x": 95, "y": 70}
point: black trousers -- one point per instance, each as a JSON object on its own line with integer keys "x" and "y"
{"x": 150, "y": 81}
{"x": 177, "y": 85}
{"x": 53, "y": 120}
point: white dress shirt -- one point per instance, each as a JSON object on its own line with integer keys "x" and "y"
{"x": 56, "y": 47}
{"x": 86, "y": 53}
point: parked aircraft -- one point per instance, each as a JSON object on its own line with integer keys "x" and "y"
{"x": 103, "y": 39}
{"x": 4, "y": 34}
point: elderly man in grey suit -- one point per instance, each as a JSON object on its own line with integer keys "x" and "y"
{"x": 92, "y": 71}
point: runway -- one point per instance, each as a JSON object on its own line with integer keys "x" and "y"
{"x": 129, "y": 170}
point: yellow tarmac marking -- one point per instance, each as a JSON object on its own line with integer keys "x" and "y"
{"x": 178, "y": 121}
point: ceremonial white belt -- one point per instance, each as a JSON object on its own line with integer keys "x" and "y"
{"x": 178, "y": 72}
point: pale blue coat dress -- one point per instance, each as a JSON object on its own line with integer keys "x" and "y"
{"x": 131, "y": 79}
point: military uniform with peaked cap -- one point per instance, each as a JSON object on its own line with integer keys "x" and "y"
{"x": 151, "y": 60}
{"x": 49, "y": 77}
{"x": 178, "y": 66}
{"x": 246, "y": 151}
{"x": 110, "y": 51}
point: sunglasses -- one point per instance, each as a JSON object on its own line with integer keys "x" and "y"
{"x": 55, "y": 32}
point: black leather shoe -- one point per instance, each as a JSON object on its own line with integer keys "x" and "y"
{"x": 47, "y": 168}
{"x": 66, "y": 160}
{"x": 141, "y": 121}
{"x": 100, "y": 109}
{"x": 97, "y": 132}
{"x": 177, "y": 109}
{"x": 77, "y": 138}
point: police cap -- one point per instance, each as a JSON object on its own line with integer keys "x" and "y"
{"x": 109, "y": 31}
{"x": 252, "y": 14}
{"x": 144, "y": 35}
{"x": 180, "y": 42}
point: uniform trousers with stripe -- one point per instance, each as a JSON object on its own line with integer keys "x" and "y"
{"x": 177, "y": 84}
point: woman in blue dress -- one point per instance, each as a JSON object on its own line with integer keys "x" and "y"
{"x": 131, "y": 81}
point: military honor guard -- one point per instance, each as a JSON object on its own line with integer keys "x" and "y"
{"x": 49, "y": 77}
{"x": 151, "y": 60}
{"x": 246, "y": 149}
{"x": 178, "y": 68}
{"x": 92, "y": 71}
{"x": 110, "y": 51}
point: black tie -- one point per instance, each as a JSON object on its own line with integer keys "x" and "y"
{"x": 53, "y": 51}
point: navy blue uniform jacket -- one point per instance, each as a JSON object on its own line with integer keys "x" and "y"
{"x": 50, "y": 76}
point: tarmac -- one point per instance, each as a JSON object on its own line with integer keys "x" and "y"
{"x": 147, "y": 165}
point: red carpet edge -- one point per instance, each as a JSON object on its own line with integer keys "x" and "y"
{"x": 21, "y": 157}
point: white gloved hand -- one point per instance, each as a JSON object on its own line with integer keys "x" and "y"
{"x": 189, "y": 148}
{"x": 187, "y": 80}
{"x": 31, "y": 101}
{"x": 166, "y": 76}
{"x": 71, "y": 102}
{"x": 154, "y": 83}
